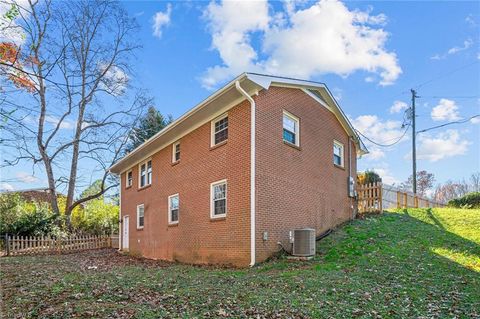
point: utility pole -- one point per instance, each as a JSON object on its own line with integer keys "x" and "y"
{"x": 414, "y": 146}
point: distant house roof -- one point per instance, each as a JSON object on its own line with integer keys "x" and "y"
{"x": 228, "y": 95}
{"x": 33, "y": 194}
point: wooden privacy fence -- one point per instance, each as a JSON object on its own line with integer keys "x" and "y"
{"x": 25, "y": 245}
{"x": 376, "y": 197}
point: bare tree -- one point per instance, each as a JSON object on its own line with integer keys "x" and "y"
{"x": 76, "y": 120}
{"x": 425, "y": 182}
{"x": 475, "y": 182}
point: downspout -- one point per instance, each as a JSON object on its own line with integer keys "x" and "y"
{"x": 252, "y": 171}
{"x": 120, "y": 217}
{"x": 352, "y": 199}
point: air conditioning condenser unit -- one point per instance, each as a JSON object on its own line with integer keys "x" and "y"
{"x": 304, "y": 242}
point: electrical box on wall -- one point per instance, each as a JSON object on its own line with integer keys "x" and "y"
{"x": 351, "y": 187}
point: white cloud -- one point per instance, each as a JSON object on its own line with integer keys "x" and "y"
{"x": 445, "y": 110}
{"x": 115, "y": 80}
{"x": 443, "y": 145}
{"x": 339, "y": 41}
{"x": 50, "y": 119}
{"x": 6, "y": 187}
{"x": 66, "y": 124}
{"x": 398, "y": 106}
{"x": 374, "y": 153}
{"x": 470, "y": 20}
{"x": 466, "y": 45}
{"x": 382, "y": 132}
{"x": 475, "y": 120}
{"x": 161, "y": 20}
{"x": 386, "y": 176}
{"x": 26, "y": 178}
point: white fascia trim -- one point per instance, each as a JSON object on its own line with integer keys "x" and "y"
{"x": 317, "y": 99}
{"x": 252, "y": 172}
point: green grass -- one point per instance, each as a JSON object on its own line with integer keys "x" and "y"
{"x": 408, "y": 264}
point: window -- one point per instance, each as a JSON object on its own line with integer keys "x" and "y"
{"x": 219, "y": 130}
{"x": 129, "y": 179}
{"x": 176, "y": 152}
{"x": 218, "y": 195}
{"x": 291, "y": 129}
{"x": 145, "y": 173}
{"x": 338, "y": 153}
{"x": 173, "y": 208}
{"x": 140, "y": 216}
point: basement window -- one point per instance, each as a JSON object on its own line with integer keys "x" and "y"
{"x": 291, "y": 129}
{"x": 218, "y": 199}
{"x": 140, "y": 216}
{"x": 338, "y": 153}
{"x": 173, "y": 208}
{"x": 219, "y": 128}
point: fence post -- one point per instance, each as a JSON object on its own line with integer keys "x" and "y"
{"x": 7, "y": 244}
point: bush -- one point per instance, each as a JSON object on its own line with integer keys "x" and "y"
{"x": 98, "y": 217}
{"x": 471, "y": 200}
{"x": 22, "y": 218}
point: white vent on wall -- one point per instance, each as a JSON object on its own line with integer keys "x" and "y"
{"x": 304, "y": 242}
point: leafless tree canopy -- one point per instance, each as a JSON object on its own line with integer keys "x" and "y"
{"x": 76, "y": 121}
{"x": 451, "y": 190}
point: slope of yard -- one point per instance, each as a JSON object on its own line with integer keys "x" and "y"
{"x": 420, "y": 263}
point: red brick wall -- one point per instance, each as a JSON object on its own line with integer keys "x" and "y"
{"x": 295, "y": 187}
{"x": 298, "y": 187}
{"x": 197, "y": 238}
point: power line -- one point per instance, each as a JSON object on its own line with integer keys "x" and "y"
{"x": 449, "y": 123}
{"x": 451, "y": 97}
{"x": 385, "y": 145}
{"x": 445, "y": 74}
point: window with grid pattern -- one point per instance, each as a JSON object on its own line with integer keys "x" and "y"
{"x": 219, "y": 199}
{"x": 220, "y": 130}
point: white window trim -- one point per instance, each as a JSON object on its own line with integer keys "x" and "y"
{"x": 212, "y": 129}
{"x": 212, "y": 206}
{"x": 146, "y": 173}
{"x": 127, "y": 184}
{"x": 174, "y": 146}
{"x": 138, "y": 216}
{"x": 335, "y": 142}
{"x": 297, "y": 134}
{"x": 170, "y": 222}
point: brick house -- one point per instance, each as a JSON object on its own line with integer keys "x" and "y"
{"x": 228, "y": 180}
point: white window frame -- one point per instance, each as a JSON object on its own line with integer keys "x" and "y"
{"x": 212, "y": 129}
{"x": 128, "y": 183}
{"x": 170, "y": 221}
{"x": 342, "y": 157}
{"x": 138, "y": 216}
{"x": 174, "y": 152}
{"x": 297, "y": 125}
{"x": 212, "y": 206}
{"x": 147, "y": 181}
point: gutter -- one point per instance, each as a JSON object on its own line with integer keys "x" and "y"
{"x": 252, "y": 171}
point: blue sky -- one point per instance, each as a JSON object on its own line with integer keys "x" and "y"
{"x": 368, "y": 53}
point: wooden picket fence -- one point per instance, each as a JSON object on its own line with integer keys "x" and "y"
{"x": 26, "y": 245}
{"x": 369, "y": 197}
{"x": 375, "y": 197}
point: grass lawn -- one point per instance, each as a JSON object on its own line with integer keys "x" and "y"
{"x": 417, "y": 264}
